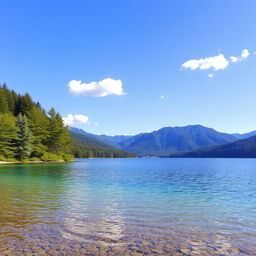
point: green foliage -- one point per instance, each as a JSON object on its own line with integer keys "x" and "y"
{"x": 58, "y": 136}
{"x": 67, "y": 157}
{"x": 24, "y": 104}
{"x": 84, "y": 149}
{"x": 24, "y": 138}
{"x": 8, "y": 134}
{"x": 54, "y": 157}
{"x": 29, "y": 133}
{"x": 3, "y": 102}
{"x": 50, "y": 157}
{"x": 34, "y": 159}
{"x": 38, "y": 123}
{"x": 7, "y": 159}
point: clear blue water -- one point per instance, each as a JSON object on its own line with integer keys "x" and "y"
{"x": 206, "y": 206}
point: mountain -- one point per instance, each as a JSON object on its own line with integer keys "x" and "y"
{"x": 84, "y": 146}
{"x": 245, "y": 148}
{"x": 244, "y": 136}
{"x": 175, "y": 139}
{"x": 84, "y": 137}
{"x": 165, "y": 141}
{"x": 113, "y": 141}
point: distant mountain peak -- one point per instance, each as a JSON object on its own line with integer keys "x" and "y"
{"x": 166, "y": 140}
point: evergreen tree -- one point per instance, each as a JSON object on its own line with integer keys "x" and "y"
{"x": 58, "y": 135}
{"x": 4, "y": 86}
{"x": 37, "y": 134}
{"x": 25, "y": 104}
{"x": 38, "y": 123}
{"x": 8, "y": 134}
{"x": 9, "y": 98}
{"x": 24, "y": 137}
{"x": 14, "y": 98}
{"x": 3, "y": 102}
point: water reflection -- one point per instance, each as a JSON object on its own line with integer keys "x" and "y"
{"x": 30, "y": 195}
{"x": 163, "y": 206}
{"x": 93, "y": 215}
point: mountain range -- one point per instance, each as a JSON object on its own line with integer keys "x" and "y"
{"x": 166, "y": 141}
{"x": 244, "y": 148}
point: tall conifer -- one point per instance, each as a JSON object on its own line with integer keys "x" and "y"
{"x": 8, "y": 135}
{"x": 24, "y": 138}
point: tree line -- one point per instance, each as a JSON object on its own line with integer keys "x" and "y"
{"x": 83, "y": 149}
{"x": 27, "y": 131}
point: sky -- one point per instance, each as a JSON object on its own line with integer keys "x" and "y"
{"x": 126, "y": 67}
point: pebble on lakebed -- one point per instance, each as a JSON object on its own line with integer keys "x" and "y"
{"x": 55, "y": 246}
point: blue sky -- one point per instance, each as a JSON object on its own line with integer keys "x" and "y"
{"x": 46, "y": 44}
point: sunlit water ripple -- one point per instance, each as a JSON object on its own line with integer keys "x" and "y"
{"x": 129, "y": 207}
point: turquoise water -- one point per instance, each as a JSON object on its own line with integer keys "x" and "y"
{"x": 154, "y": 206}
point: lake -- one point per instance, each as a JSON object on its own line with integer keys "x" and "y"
{"x": 129, "y": 207}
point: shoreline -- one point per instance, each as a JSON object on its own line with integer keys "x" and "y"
{"x": 59, "y": 161}
{"x": 34, "y": 162}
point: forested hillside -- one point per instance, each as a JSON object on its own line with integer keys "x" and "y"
{"x": 167, "y": 140}
{"x": 86, "y": 147}
{"x": 27, "y": 131}
{"x": 175, "y": 139}
{"x": 113, "y": 141}
{"x": 245, "y": 148}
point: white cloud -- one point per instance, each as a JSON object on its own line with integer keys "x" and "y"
{"x": 245, "y": 53}
{"x": 234, "y": 59}
{"x": 162, "y": 97}
{"x": 75, "y": 119}
{"x": 101, "y": 88}
{"x": 211, "y": 75}
{"x": 96, "y": 123}
{"x": 216, "y": 62}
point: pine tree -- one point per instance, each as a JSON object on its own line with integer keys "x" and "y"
{"x": 3, "y": 102}
{"x": 38, "y": 123}
{"x": 25, "y": 104}
{"x": 34, "y": 133}
{"x": 58, "y": 135}
{"x": 24, "y": 137}
{"x": 8, "y": 135}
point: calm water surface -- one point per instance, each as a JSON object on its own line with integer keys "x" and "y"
{"x": 129, "y": 207}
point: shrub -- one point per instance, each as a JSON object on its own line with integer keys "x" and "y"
{"x": 67, "y": 157}
{"x": 50, "y": 157}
